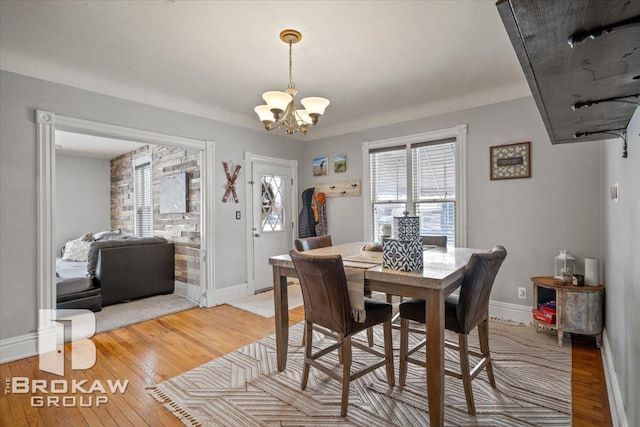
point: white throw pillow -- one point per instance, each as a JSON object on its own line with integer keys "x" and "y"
{"x": 76, "y": 250}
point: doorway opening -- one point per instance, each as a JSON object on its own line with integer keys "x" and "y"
{"x": 49, "y": 126}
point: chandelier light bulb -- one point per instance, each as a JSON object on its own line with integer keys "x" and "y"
{"x": 265, "y": 114}
{"x": 315, "y": 106}
{"x": 277, "y": 101}
{"x": 303, "y": 117}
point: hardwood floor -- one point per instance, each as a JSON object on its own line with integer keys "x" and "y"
{"x": 153, "y": 351}
{"x": 590, "y": 401}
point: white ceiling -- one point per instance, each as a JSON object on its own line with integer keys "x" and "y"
{"x": 379, "y": 62}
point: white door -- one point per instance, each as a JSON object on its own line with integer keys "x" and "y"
{"x": 273, "y": 218}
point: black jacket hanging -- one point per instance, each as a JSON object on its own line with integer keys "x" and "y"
{"x": 306, "y": 221}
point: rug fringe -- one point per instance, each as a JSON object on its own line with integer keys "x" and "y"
{"x": 157, "y": 394}
{"x": 177, "y": 411}
{"x": 186, "y": 418}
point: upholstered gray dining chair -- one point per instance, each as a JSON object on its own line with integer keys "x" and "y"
{"x": 429, "y": 241}
{"x": 308, "y": 243}
{"x": 326, "y": 303}
{"x": 462, "y": 314}
{"x": 434, "y": 240}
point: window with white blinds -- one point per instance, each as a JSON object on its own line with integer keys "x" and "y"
{"x": 417, "y": 178}
{"x": 142, "y": 198}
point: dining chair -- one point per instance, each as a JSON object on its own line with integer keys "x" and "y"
{"x": 326, "y": 303}
{"x": 440, "y": 241}
{"x": 434, "y": 240}
{"x": 462, "y": 314}
{"x": 308, "y": 243}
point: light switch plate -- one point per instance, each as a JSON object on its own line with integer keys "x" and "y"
{"x": 237, "y": 214}
{"x": 614, "y": 192}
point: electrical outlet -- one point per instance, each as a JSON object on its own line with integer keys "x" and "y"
{"x": 522, "y": 293}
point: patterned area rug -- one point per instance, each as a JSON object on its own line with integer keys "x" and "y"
{"x": 532, "y": 372}
{"x": 262, "y": 303}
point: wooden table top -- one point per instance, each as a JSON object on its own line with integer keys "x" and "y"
{"x": 442, "y": 266}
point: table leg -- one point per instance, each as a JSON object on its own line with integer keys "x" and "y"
{"x": 435, "y": 355}
{"x": 281, "y": 304}
{"x": 559, "y": 314}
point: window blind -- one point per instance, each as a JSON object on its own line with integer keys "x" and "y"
{"x": 419, "y": 178}
{"x": 434, "y": 188}
{"x": 388, "y": 177}
{"x": 143, "y": 200}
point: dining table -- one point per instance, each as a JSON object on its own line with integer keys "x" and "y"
{"x": 440, "y": 276}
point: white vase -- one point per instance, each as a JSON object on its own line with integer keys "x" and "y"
{"x": 591, "y": 275}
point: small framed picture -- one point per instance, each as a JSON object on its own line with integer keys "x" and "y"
{"x": 510, "y": 161}
{"x": 321, "y": 166}
{"x": 340, "y": 163}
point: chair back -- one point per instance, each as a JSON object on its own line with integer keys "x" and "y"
{"x": 309, "y": 243}
{"x": 324, "y": 290}
{"x": 434, "y": 240}
{"x": 473, "y": 303}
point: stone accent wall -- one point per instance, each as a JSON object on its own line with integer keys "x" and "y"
{"x": 181, "y": 229}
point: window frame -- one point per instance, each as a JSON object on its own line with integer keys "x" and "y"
{"x": 459, "y": 133}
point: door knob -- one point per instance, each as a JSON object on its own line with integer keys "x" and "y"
{"x": 256, "y": 234}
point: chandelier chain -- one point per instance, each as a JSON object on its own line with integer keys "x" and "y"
{"x": 291, "y": 85}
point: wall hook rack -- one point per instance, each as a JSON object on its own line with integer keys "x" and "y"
{"x": 345, "y": 188}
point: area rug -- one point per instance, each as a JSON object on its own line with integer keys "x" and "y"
{"x": 127, "y": 313}
{"x": 533, "y": 376}
{"x": 262, "y": 303}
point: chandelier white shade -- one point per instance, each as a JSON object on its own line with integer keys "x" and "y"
{"x": 280, "y": 110}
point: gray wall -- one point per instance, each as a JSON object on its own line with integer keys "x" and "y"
{"x": 82, "y": 197}
{"x": 534, "y": 218}
{"x": 18, "y": 182}
{"x": 621, "y": 252}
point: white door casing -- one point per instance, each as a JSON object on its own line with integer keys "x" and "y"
{"x": 271, "y": 215}
{"x": 47, "y": 123}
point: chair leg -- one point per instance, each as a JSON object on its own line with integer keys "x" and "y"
{"x": 308, "y": 345}
{"x": 370, "y": 337}
{"x": 346, "y": 374}
{"x": 367, "y": 294}
{"x": 483, "y": 335}
{"x": 465, "y": 371}
{"x": 388, "y": 353}
{"x": 404, "y": 349}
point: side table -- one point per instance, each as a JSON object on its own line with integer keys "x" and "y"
{"x": 578, "y": 308}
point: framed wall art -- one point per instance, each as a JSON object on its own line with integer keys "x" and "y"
{"x": 510, "y": 161}
{"x": 340, "y": 163}
{"x": 173, "y": 193}
{"x": 320, "y": 166}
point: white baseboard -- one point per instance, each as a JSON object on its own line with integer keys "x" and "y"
{"x": 24, "y": 346}
{"x": 224, "y": 295}
{"x": 512, "y": 312}
{"x": 18, "y": 347}
{"x": 180, "y": 289}
{"x": 616, "y": 402}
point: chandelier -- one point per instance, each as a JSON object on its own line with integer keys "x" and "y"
{"x": 280, "y": 111}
